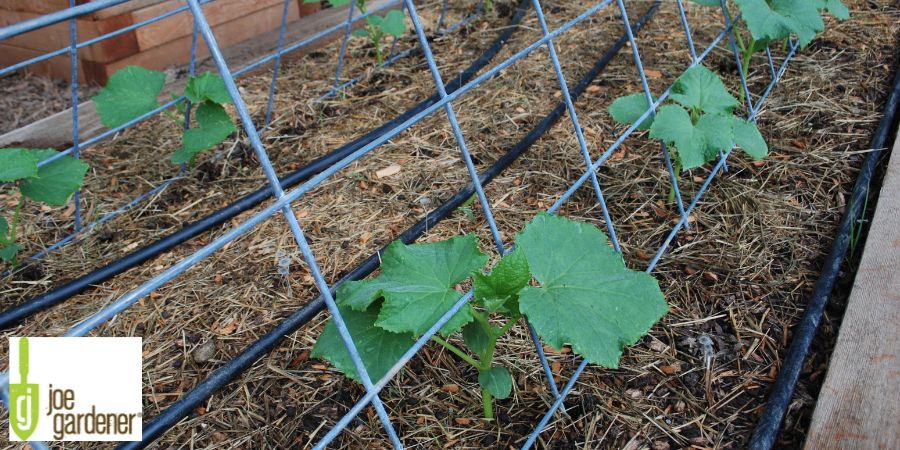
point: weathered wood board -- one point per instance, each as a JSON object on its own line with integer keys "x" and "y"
{"x": 859, "y": 404}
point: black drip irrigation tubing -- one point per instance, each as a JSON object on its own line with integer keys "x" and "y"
{"x": 185, "y": 405}
{"x": 17, "y": 313}
{"x": 766, "y": 431}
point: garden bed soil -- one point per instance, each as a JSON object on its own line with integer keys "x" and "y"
{"x": 740, "y": 275}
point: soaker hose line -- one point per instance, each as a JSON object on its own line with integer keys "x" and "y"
{"x": 17, "y": 313}
{"x": 228, "y": 372}
{"x": 776, "y": 407}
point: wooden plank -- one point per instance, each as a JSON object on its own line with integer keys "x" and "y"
{"x": 57, "y": 67}
{"x": 180, "y": 25}
{"x": 859, "y": 404}
{"x": 55, "y": 131}
{"x": 178, "y": 52}
{"x": 49, "y": 6}
{"x": 56, "y": 36}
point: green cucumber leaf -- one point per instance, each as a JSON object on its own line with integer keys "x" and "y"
{"x": 499, "y": 291}
{"x": 718, "y": 133}
{"x": 699, "y": 88}
{"x": 4, "y": 230}
{"x": 708, "y": 2}
{"x": 379, "y": 349}
{"x": 17, "y": 163}
{"x": 362, "y": 32}
{"x": 778, "y": 19}
{"x": 476, "y": 338}
{"x": 587, "y": 297}
{"x": 8, "y": 252}
{"x": 835, "y": 7}
{"x": 417, "y": 283}
{"x": 214, "y": 125}
{"x": 208, "y": 86}
{"x": 497, "y": 381}
{"x": 129, "y": 93}
{"x": 628, "y": 109}
{"x": 673, "y": 126}
{"x": 56, "y": 181}
{"x": 748, "y": 137}
{"x": 394, "y": 23}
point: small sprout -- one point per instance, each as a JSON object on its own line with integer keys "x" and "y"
{"x": 393, "y": 23}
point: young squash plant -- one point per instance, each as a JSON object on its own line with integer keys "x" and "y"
{"x": 563, "y": 276}
{"x": 51, "y": 184}
{"x": 133, "y": 91}
{"x": 698, "y": 122}
{"x": 377, "y": 27}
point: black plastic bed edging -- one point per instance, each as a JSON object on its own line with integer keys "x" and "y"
{"x": 225, "y": 374}
{"x": 23, "y": 310}
{"x": 767, "y": 429}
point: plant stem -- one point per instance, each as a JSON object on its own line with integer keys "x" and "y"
{"x": 677, "y": 170}
{"x": 13, "y": 227}
{"x": 374, "y": 33}
{"x": 15, "y": 219}
{"x": 456, "y": 351}
{"x": 747, "y": 54}
{"x": 487, "y": 403}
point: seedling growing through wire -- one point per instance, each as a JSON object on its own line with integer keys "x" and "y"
{"x": 773, "y": 20}
{"x": 133, "y": 91}
{"x": 377, "y": 27}
{"x": 52, "y": 184}
{"x": 698, "y": 122}
{"x": 573, "y": 287}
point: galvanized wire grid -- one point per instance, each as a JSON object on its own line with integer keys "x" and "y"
{"x": 284, "y": 199}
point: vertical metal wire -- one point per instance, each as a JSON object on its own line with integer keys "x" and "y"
{"x": 344, "y": 42}
{"x": 277, "y": 63}
{"x": 73, "y": 86}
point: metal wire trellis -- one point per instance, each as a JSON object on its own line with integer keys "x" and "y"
{"x": 283, "y": 200}
{"x": 78, "y": 143}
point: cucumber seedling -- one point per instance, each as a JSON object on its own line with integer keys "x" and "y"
{"x": 133, "y": 91}
{"x": 582, "y": 295}
{"x": 698, "y": 122}
{"x": 51, "y": 184}
{"x": 377, "y": 27}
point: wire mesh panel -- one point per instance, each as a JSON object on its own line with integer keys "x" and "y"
{"x": 593, "y": 159}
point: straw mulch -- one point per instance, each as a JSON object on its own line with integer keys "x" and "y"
{"x": 740, "y": 275}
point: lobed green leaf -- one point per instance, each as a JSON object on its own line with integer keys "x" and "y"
{"x": 499, "y": 291}
{"x": 628, "y": 109}
{"x": 214, "y": 125}
{"x": 208, "y": 86}
{"x": 770, "y": 20}
{"x": 17, "y": 163}
{"x": 476, "y": 338}
{"x": 56, "y": 181}
{"x": 587, "y": 297}
{"x": 379, "y": 349}
{"x": 394, "y": 23}
{"x": 417, "y": 284}
{"x": 129, "y": 93}
{"x": 699, "y": 88}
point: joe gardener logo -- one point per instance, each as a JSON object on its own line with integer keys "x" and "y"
{"x": 23, "y": 398}
{"x": 75, "y": 389}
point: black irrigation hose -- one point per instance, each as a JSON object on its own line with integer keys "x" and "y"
{"x": 767, "y": 429}
{"x": 60, "y": 294}
{"x": 225, "y": 374}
